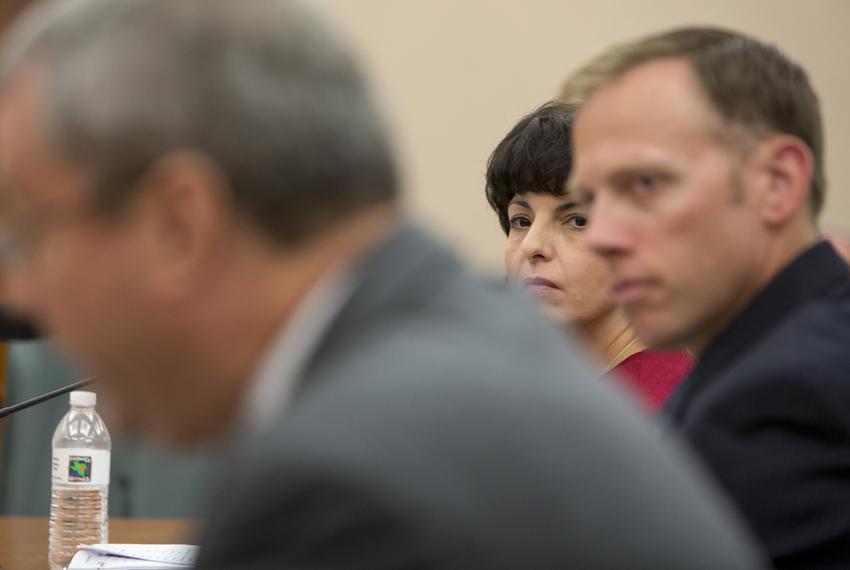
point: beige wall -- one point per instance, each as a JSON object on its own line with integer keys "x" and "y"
{"x": 457, "y": 74}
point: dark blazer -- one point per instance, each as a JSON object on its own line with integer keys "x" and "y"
{"x": 443, "y": 424}
{"x": 768, "y": 409}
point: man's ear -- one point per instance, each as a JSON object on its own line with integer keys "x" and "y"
{"x": 183, "y": 219}
{"x": 784, "y": 167}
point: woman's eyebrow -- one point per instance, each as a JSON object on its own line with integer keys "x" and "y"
{"x": 559, "y": 208}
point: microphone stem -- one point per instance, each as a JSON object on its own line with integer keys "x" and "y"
{"x": 38, "y": 399}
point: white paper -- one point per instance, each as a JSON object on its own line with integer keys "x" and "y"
{"x": 134, "y": 557}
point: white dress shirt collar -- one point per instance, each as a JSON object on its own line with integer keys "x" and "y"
{"x": 280, "y": 369}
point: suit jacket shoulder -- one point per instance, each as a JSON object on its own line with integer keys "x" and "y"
{"x": 442, "y": 424}
{"x": 767, "y": 412}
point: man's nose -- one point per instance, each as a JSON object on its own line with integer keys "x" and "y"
{"x": 608, "y": 233}
{"x": 18, "y": 289}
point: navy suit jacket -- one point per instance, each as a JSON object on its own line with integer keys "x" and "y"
{"x": 768, "y": 409}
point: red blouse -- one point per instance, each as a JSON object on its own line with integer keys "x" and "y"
{"x": 654, "y": 374}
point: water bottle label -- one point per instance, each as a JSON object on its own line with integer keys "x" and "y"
{"x": 81, "y": 466}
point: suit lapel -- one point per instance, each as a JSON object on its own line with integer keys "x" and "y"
{"x": 813, "y": 275}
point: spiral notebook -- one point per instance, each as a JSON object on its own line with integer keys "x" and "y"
{"x": 134, "y": 557}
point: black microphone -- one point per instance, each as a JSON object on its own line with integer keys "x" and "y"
{"x": 44, "y": 397}
{"x": 16, "y": 327}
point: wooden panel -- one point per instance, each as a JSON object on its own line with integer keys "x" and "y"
{"x": 23, "y": 540}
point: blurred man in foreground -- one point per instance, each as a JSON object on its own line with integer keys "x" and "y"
{"x": 700, "y": 151}
{"x": 206, "y": 213}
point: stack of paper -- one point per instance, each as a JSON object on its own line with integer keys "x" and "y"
{"x": 134, "y": 557}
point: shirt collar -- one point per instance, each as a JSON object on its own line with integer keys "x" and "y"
{"x": 272, "y": 386}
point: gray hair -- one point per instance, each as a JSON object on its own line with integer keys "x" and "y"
{"x": 263, "y": 87}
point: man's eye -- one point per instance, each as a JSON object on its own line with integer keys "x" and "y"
{"x": 520, "y": 222}
{"x": 577, "y": 221}
{"x": 646, "y": 183}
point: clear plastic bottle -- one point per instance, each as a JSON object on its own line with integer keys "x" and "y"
{"x": 80, "y": 482}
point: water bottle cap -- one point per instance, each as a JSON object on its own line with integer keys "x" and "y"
{"x": 83, "y": 399}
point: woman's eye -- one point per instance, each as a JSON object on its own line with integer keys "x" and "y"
{"x": 520, "y": 222}
{"x": 576, "y": 221}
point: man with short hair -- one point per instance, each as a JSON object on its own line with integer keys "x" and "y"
{"x": 206, "y": 213}
{"x": 700, "y": 151}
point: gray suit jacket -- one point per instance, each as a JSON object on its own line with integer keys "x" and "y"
{"x": 443, "y": 424}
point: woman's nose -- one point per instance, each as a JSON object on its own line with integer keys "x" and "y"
{"x": 536, "y": 245}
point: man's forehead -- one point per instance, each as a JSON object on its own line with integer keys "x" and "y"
{"x": 30, "y": 168}
{"x": 655, "y": 116}
{"x": 657, "y": 100}
{"x": 13, "y": 133}
{"x": 20, "y": 103}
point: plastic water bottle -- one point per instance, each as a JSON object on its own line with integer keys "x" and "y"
{"x": 80, "y": 482}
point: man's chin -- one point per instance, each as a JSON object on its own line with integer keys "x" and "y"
{"x": 167, "y": 436}
{"x": 659, "y": 336}
{"x": 131, "y": 422}
{"x": 178, "y": 434}
{"x": 121, "y": 421}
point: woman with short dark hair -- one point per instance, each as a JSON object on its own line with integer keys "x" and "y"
{"x": 546, "y": 252}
